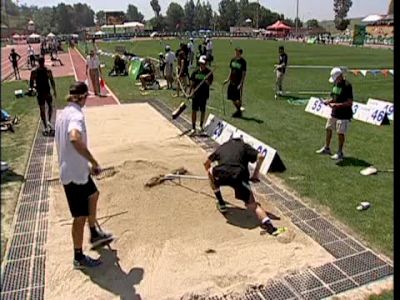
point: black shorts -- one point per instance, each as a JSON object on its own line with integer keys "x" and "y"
{"x": 44, "y": 98}
{"x": 235, "y": 178}
{"x": 233, "y": 92}
{"x": 78, "y": 197}
{"x": 199, "y": 104}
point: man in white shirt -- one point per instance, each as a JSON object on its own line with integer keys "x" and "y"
{"x": 209, "y": 49}
{"x": 191, "y": 52}
{"x": 74, "y": 158}
{"x": 169, "y": 66}
{"x": 31, "y": 55}
{"x": 94, "y": 71}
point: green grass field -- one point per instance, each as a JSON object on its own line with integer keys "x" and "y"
{"x": 297, "y": 134}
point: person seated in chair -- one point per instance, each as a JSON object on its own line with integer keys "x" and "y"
{"x": 148, "y": 75}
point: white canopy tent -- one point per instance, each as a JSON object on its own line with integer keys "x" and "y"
{"x": 34, "y": 36}
{"x": 16, "y": 36}
{"x": 372, "y": 18}
{"x": 51, "y": 35}
{"x": 99, "y": 33}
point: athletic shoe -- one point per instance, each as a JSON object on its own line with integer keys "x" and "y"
{"x": 101, "y": 239}
{"x": 86, "y": 262}
{"x": 269, "y": 228}
{"x": 242, "y": 108}
{"x": 337, "y": 156}
{"x": 221, "y": 207}
{"x": 324, "y": 150}
{"x": 192, "y": 132}
{"x": 49, "y": 125}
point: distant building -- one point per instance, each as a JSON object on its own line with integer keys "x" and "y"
{"x": 128, "y": 27}
{"x": 240, "y": 30}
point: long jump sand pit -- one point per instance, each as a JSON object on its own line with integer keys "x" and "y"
{"x": 171, "y": 242}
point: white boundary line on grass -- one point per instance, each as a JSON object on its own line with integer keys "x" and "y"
{"x": 109, "y": 90}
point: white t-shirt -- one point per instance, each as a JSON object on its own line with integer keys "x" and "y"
{"x": 92, "y": 62}
{"x": 73, "y": 166}
{"x": 31, "y": 51}
{"x": 190, "y": 46}
{"x": 170, "y": 57}
{"x": 209, "y": 45}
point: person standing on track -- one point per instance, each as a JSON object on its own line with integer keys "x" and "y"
{"x": 237, "y": 75}
{"x": 94, "y": 71}
{"x": 201, "y": 79}
{"x": 40, "y": 79}
{"x": 75, "y": 174}
{"x": 14, "y": 57}
{"x": 31, "y": 56}
{"x": 341, "y": 115}
{"x": 232, "y": 169}
{"x": 280, "y": 70}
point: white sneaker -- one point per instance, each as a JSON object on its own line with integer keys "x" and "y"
{"x": 50, "y": 126}
{"x": 242, "y": 108}
{"x": 337, "y": 156}
{"x": 324, "y": 150}
{"x": 192, "y": 132}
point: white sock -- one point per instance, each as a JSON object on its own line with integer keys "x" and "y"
{"x": 266, "y": 220}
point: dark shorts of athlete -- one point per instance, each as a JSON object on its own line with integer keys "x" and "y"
{"x": 15, "y": 64}
{"x": 233, "y": 177}
{"x": 199, "y": 103}
{"x": 233, "y": 92}
{"x": 78, "y": 197}
{"x": 32, "y": 58}
{"x": 44, "y": 98}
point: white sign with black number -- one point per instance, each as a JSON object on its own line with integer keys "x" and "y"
{"x": 369, "y": 114}
{"x": 218, "y": 129}
{"x": 317, "y": 107}
{"x": 221, "y": 132}
{"x": 262, "y": 148}
{"x": 388, "y": 107}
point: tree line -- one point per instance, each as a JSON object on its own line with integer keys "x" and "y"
{"x": 65, "y": 18}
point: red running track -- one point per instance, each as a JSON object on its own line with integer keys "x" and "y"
{"x": 79, "y": 65}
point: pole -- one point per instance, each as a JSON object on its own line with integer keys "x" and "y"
{"x": 297, "y": 16}
{"x": 258, "y": 7}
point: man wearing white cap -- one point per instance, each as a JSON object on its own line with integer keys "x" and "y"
{"x": 190, "y": 46}
{"x": 201, "y": 79}
{"x": 169, "y": 66}
{"x": 342, "y": 113}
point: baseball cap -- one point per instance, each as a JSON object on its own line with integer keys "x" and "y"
{"x": 203, "y": 59}
{"x": 168, "y": 47}
{"x": 335, "y": 73}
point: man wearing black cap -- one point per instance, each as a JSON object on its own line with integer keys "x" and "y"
{"x": 40, "y": 79}
{"x": 237, "y": 75}
{"x": 229, "y": 166}
{"x": 74, "y": 158}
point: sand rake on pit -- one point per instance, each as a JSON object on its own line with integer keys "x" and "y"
{"x": 180, "y": 173}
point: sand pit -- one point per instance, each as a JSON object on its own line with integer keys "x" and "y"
{"x": 172, "y": 242}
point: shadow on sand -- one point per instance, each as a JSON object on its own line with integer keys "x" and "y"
{"x": 111, "y": 277}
